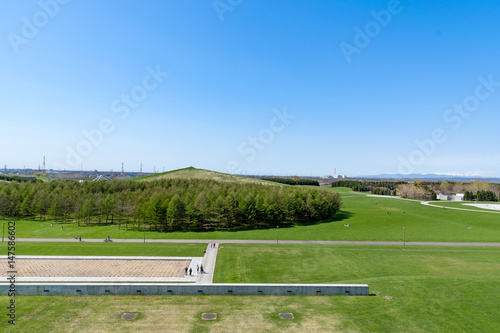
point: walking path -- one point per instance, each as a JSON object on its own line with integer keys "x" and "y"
{"x": 209, "y": 259}
{"x": 255, "y": 241}
{"x": 427, "y": 203}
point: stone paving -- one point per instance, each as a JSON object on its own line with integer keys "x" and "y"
{"x": 36, "y": 269}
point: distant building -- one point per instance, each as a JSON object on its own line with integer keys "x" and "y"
{"x": 450, "y": 197}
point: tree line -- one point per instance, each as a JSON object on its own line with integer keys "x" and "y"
{"x": 168, "y": 204}
{"x": 480, "y": 196}
{"x": 288, "y": 181}
{"x": 18, "y": 179}
{"x": 383, "y": 191}
{"x": 426, "y": 190}
{"x": 382, "y": 187}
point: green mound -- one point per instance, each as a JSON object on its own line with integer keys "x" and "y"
{"x": 193, "y": 173}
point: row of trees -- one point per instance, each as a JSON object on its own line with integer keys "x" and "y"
{"x": 18, "y": 179}
{"x": 480, "y": 196}
{"x": 426, "y": 190}
{"x": 352, "y": 184}
{"x": 289, "y": 181}
{"x": 383, "y": 191}
{"x": 171, "y": 204}
{"x": 382, "y": 187}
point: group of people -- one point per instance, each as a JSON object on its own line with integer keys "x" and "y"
{"x": 76, "y": 237}
{"x": 190, "y": 270}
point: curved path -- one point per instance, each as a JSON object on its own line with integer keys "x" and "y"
{"x": 256, "y": 241}
{"x": 427, "y": 203}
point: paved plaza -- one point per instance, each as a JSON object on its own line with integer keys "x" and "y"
{"x": 114, "y": 269}
{"x": 99, "y": 268}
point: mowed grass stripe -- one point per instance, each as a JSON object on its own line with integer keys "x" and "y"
{"x": 108, "y": 249}
{"x": 261, "y": 263}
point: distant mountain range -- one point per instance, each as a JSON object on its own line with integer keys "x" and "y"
{"x": 431, "y": 176}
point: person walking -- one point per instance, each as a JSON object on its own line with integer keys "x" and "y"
{"x": 197, "y": 269}
{"x": 186, "y": 270}
{"x": 190, "y": 271}
{"x": 201, "y": 268}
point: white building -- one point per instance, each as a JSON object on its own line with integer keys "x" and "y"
{"x": 450, "y": 197}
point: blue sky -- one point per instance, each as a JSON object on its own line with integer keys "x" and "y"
{"x": 256, "y": 87}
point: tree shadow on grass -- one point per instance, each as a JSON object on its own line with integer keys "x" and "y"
{"x": 340, "y": 216}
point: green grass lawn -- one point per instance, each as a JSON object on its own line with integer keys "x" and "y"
{"x": 435, "y": 289}
{"x": 107, "y": 249}
{"x": 367, "y": 216}
{"x": 236, "y": 314}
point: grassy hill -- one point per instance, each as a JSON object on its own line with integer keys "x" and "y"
{"x": 193, "y": 173}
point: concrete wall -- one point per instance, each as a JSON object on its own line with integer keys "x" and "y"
{"x": 52, "y": 289}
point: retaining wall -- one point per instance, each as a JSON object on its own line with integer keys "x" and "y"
{"x": 53, "y": 289}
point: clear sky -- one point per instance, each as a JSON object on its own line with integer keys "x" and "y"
{"x": 259, "y": 87}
